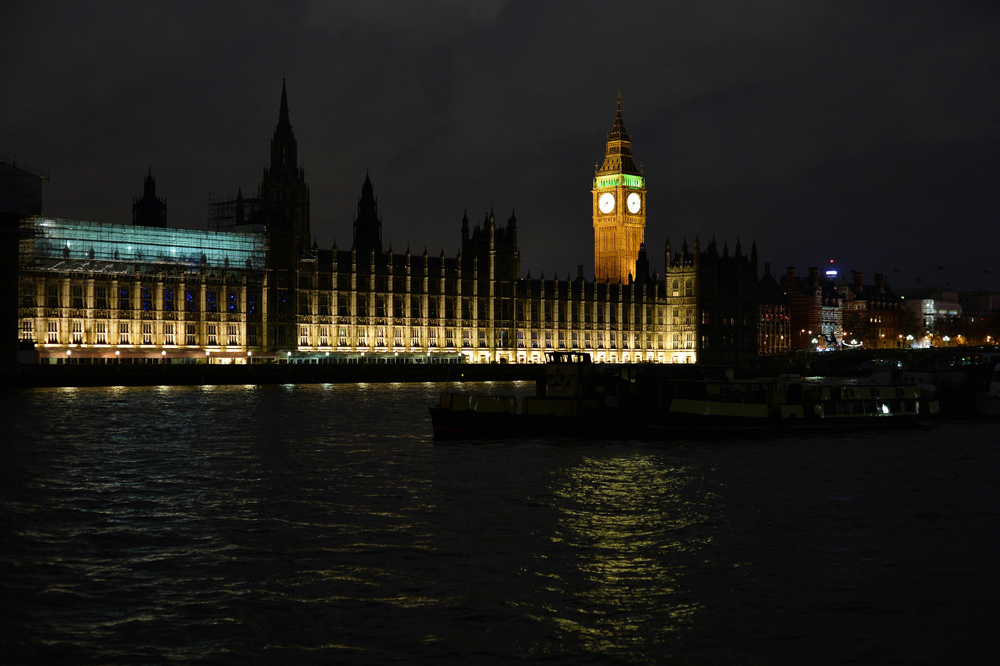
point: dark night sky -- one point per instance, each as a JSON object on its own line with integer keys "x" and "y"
{"x": 864, "y": 132}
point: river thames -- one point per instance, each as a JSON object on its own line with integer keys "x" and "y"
{"x": 321, "y": 524}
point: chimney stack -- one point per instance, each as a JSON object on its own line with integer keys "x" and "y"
{"x": 789, "y": 277}
{"x": 858, "y": 279}
{"x": 813, "y": 274}
{"x": 880, "y": 281}
{"x": 579, "y": 271}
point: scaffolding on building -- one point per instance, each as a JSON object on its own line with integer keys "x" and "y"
{"x": 46, "y": 238}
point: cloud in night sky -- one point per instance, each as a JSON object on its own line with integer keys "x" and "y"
{"x": 868, "y": 133}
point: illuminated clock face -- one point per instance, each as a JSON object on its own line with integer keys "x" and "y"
{"x": 634, "y": 203}
{"x": 606, "y": 202}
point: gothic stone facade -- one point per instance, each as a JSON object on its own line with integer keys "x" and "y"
{"x": 96, "y": 292}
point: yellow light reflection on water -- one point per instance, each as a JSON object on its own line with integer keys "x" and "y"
{"x": 627, "y": 520}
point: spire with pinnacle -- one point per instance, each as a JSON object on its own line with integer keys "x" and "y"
{"x": 618, "y": 155}
{"x": 283, "y": 112}
{"x": 285, "y": 192}
{"x": 368, "y": 225}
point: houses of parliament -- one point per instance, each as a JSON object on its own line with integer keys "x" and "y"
{"x": 255, "y": 288}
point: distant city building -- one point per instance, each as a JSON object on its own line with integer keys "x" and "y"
{"x": 774, "y": 317}
{"x": 149, "y": 211}
{"x": 807, "y": 300}
{"x": 873, "y": 314}
{"x": 932, "y": 306}
{"x": 979, "y": 303}
{"x": 826, "y": 313}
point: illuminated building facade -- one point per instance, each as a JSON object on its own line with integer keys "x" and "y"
{"x": 774, "y": 318}
{"x": 873, "y": 313}
{"x": 255, "y": 288}
{"x": 94, "y": 292}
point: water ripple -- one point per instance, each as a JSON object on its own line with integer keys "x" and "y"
{"x": 318, "y": 524}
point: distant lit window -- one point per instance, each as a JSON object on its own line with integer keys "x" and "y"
{"x": 77, "y": 332}
{"x": 53, "y": 332}
{"x": 233, "y": 335}
{"x": 27, "y": 295}
{"x": 102, "y": 332}
{"x": 124, "y": 298}
{"x": 147, "y": 332}
{"x": 27, "y": 329}
{"x": 168, "y": 334}
{"x": 303, "y": 336}
{"x": 77, "y": 295}
{"x": 233, "y": 302}
{"x": 101, "y": 298}
{"x": 190, "y": 302}
{"x": 190, "y": 336}
{"x": 211, "y": 300}
{"x": 147, "y": 299}
{"x": 213, "y": 335}
{"x": 168, "y": 300}
{"x": 124, "y": 334}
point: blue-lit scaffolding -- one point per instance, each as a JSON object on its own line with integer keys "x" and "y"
{"x": 74, "y": 239}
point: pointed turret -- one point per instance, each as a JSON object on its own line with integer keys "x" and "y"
{"x": 368, "y": 225}
{"x": 618, "y": 132}
{"x": 285, "y": 193}
{"x": 150, "y": 210}
{"x": 618, "y": 154}
{"x": 283, "y": 112}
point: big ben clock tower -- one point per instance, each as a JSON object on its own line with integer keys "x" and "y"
{"x": 619, "y": 208}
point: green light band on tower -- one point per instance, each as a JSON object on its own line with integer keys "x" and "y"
{"x": 635, "y": 182}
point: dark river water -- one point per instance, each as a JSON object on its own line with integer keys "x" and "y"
{"x": 321, "y": 524}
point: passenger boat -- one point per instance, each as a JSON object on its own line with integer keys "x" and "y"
{"x": 578, "y": 399}
{"x": 573, "y": 399}
{"x": 773, "y": 406}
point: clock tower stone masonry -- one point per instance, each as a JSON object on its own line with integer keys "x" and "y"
{"x": 619, "y": 208}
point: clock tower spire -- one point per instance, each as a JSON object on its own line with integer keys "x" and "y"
{"x": 619, "y": 207}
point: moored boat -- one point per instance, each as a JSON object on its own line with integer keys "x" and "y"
{"x": 578, "y": 399}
